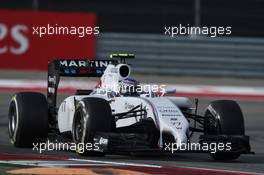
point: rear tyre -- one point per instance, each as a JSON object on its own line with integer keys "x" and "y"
{"x": 92, "y": 115}
{"x": 224, "y": 117}
{"x": 27, "y": 119}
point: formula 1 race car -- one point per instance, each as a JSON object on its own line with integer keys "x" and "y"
{"x": 120, "y": 116}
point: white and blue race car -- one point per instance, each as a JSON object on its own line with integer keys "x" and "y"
{"x": 118, "y": 116}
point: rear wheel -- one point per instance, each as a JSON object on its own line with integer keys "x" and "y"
{"x": 27, "y": 119}
{"x": 224, "y": 117}
{"x": 92, "y": 115}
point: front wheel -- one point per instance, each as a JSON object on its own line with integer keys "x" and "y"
{"x": 224, "y": 117}
{"x": 92, "y": 115}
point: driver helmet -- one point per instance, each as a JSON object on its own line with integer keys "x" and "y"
{"x": 128, "y": 87}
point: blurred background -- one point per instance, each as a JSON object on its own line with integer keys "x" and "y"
{"x": 230, "y": 67}
{"x": 137, "y": 26}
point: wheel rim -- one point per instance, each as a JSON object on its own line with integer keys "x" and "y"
{"x": 78, "y": 127}
{"x": 12, "y": 120}
{"x": 212, "y": 125}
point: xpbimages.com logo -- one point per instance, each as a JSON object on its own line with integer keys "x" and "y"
{"x": 212, "y": 31}
{"x": 59, "y": 146}
{"x": 80, "y": 31}
{"x": 207, "y": 147}
{"x": 142, "y": 89}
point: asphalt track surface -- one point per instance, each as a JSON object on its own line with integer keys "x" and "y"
{"x": 254, "y": 121}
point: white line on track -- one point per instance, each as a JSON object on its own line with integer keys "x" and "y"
{"x": 46, "y": 164}
{"x": 117, "y": 163}
{"x": 112, "y": 163}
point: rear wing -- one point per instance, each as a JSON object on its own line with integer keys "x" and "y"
{"x": 71, "y": 68}
{"x": 75, "y": 68}
{"x": 79, "y": 68}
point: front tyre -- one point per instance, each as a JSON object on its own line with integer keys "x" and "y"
{"x": 224, "y": 117}
{"x": 27, "y": 119}
{"x": 92, "y": 115}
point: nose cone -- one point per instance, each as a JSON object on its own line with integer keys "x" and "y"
{"x": 180, "y": 134}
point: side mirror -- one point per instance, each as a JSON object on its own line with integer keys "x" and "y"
{"x": 170, "y": 91}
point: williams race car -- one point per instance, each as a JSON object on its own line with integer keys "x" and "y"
{"x": 118, "y": 116}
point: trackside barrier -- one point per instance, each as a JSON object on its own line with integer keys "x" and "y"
{"x": 183, "y": 55}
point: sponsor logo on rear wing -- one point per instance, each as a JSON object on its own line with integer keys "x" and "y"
{"x": 81, "y": 67}
{"x": 86, "y": 63}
